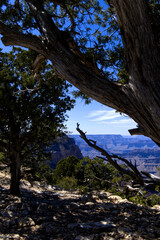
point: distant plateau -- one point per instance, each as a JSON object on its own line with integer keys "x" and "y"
{"x": 140, "y": 149}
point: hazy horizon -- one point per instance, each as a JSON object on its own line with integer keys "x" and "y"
{"x": 125, "y": 136}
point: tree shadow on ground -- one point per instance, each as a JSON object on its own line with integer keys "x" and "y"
{"x": 65, "y": 215}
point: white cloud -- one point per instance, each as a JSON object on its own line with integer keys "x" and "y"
{"x": 103, "y": 115}
{"x": 96, "y": 113}
{"x": 122, "y": 121}
{"x": 110, "y": 117}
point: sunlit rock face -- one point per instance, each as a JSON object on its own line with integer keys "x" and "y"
{"x": 63, "y": 147}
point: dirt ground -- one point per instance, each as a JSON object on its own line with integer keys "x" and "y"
{"x": 46, "y": 212}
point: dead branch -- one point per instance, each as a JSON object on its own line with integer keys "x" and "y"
{"x": 132, "y": 170}
{"x": 127, "y": 189}
{"x": 151, "y": 178}
{"x": 101, "y": 179}
{"x": 27, "y": 90}
{"x": 36, "y": 71}
{"x": 128, "y": 163}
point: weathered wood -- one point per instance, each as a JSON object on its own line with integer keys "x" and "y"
{"x": 151, "y": 178}
{"x": 132, "y": 170}
{"x": 143, "y": 56}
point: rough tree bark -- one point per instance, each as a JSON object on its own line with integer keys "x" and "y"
{"x": 15, "y": 170}
{"x": 139, "y": 98}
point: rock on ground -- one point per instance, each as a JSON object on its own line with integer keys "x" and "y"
{"x": 44, "y": 212}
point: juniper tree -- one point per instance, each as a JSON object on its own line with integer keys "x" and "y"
{"x": 108, "y": 49}
{"x": 31, "y": 114}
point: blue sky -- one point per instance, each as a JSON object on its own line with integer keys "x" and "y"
{"x": 96, "y": 118}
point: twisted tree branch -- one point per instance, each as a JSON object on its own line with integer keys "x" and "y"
{"x": 132, "y": 170}
{"x": 12, "y": 37}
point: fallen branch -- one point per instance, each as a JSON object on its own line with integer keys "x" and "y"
{"x": 128, "y": 189}
{"x": 151, "y": 178}
{"x": 150, "y": 182}
{"x": 132, "y": 170}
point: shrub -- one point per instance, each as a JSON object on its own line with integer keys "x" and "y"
{"x": 65, "y": 168}
{"x": 45, "y": 172}
{"x": 68, "y": 183}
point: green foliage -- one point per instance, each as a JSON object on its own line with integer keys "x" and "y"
{"x": 153, "y": 200}
{"x": 142, "y": 199}
{"x": 89, "y": 174}
{"x": 123, "y": 75}
{"x": 2, "y": 157}
{"x": 139, "y": 199}
{"x": 44, "y": 172}
{"x": 79, "y": 94}
{"x": 93, "y": 173}
{"x": 65, "y": 168}
{"x": 68, "y": 183}
{"x": 32, "y": 108}
{"x": 92, "y": 24}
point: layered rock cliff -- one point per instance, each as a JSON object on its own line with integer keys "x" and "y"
{"x": 63, "y": 147}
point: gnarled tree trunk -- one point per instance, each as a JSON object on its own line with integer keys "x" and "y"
{"x": 139, "y": 98}
{"x": 15, "y": 171}
{"x": 143, "y": 56}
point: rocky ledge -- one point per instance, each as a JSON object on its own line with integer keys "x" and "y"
{"x": 45, "y": 212}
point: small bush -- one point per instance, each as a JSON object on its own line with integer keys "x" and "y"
{"x": 88, "y": 175}
{"x": 45, "y": 172}
{"x": 68, "y": 183}
{"x": 153, "y": 200}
